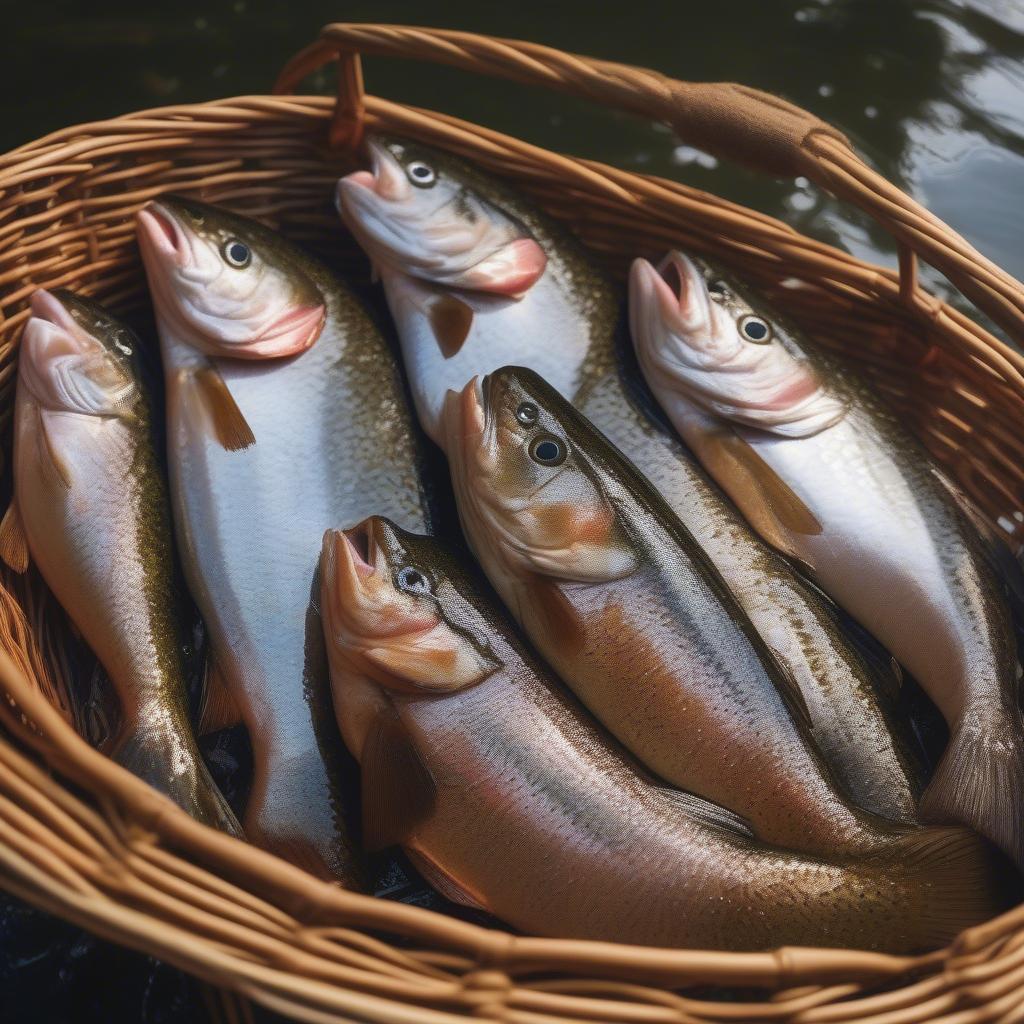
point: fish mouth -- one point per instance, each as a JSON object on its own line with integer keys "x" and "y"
{"x": 53, "y": 341}
{"x": 47, "y": 307}
{"x": 674, "y": 295}
{"x": 159, "y": 229}
{"x": 360, "y": 548}
{"x": 465, "y": 415}
{"x": 680, "y": 286}
{"x": 59, "y": 333}
{"x": 385, "y": 179}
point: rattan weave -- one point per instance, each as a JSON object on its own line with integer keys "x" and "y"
{"x": 84, "y": 839}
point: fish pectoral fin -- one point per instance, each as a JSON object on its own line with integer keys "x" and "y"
{"x": 13, "y": 543}
{"x": 710, "y": 814}
{"x": 52, "y": 464}
{"x": 398, "y": 791}
{"x": 221, "y": 410}
{"x": 442, "y": 882}
{"x": 450, "y": 320}
{"x": 219, "y": 709}
{"x": 558, "y": 614}
{"x": 772, "y": 507}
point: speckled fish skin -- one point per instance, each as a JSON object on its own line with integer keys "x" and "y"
{"x": 626, "y": 607}
{"x": 559, "y": 834}
{"x": 333, "y": 441}
{"x": 93, "y": 502}
{"x": 885, "y": 535}
{"x": 565, "y": 327}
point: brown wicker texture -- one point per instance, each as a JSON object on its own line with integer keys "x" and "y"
{"x": 84, "y": 839}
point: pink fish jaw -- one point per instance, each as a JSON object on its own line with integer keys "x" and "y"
{"x": 512, "y": 271}
{"x": 289, "y": 335}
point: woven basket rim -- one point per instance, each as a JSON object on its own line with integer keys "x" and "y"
{"x": 495, "y": 952}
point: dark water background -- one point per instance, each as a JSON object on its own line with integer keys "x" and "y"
{"x": 930, "y": 91}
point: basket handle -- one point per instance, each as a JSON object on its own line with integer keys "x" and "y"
{"x": 730, "y": 121}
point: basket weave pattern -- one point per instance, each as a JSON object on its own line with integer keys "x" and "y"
{"x": 84, "y": 839}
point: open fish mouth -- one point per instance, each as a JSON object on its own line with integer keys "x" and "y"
{"x": 677, "y": 288}
{"x": 361, "y": 548}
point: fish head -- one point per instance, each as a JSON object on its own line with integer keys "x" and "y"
{"x": 226, "y": 284}
{"x": 415, "y": 213}
{"x": 698, "y": 340}
{"x": 74, "y": 358}
{"x": 393, "y": 612}
{"x": 530, "y": 498}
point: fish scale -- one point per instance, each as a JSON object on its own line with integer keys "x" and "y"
{"x": 557, "y": 831}
{"x": 863, "y": 509}
{"x": 333, "y": 441}
{"x": 90, "y": 495}
{"x": 566, "y": 327}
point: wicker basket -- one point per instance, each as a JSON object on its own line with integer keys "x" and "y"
{"x": 83, "y": 839}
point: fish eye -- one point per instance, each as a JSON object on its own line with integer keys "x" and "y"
{"x": 236, "y": 253}
{"x": 548, "y": 450}
{"x": 718, "y": 290}
{"x": 754, "y": 329}
{"x": 527, "y": 414}
{"x": 412, "y": 580}
{"x": 421, "y": 174}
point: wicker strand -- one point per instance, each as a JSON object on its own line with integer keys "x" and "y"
{"x": 82, "y": 838}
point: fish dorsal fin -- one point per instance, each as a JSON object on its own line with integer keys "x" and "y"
{"x": 773, "y": 508}
{"x": 709, "y": 814}
{"x": 13, "y": 543}
{"x": 442, "y": 882}
{"x": 226, "y": 421}
{"x": 219, "y": 709}
{"x": 790, "y": 691}
{"x": 397, "y": 788}
{"x": 451, "y": 320}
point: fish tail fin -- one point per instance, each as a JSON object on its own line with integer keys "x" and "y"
{"x": 171, "y": 764}
{"x": 956, "y": 878}
{"x": 980, "y": 782}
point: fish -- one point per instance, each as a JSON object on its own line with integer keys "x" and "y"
{"x": 508, "y": 797}
{"x": 90, "y": 510}
{"x": 824, "y": 471}
{"x": 426, "y": 220}
{"x": 618, "y": 598}
{"x": 285, "y": 415}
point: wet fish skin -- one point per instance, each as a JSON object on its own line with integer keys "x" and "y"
{"x": 319, "y": 435}
{"x": 627, "y": 608}
{"x": 559, "y": 833}
{"x": 565, "y": 327}
{"x": 90, "y": 496}
{"x": 875, "y": 525}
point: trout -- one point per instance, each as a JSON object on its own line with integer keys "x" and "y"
{"x": 826, "y": 474}
{"x": 476, "y": 279}
{"x": 504, "y": 793}
{"x": 625, "y": 606}
{"x": 90, "y": 509}
{"x": 285, "y": 415}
